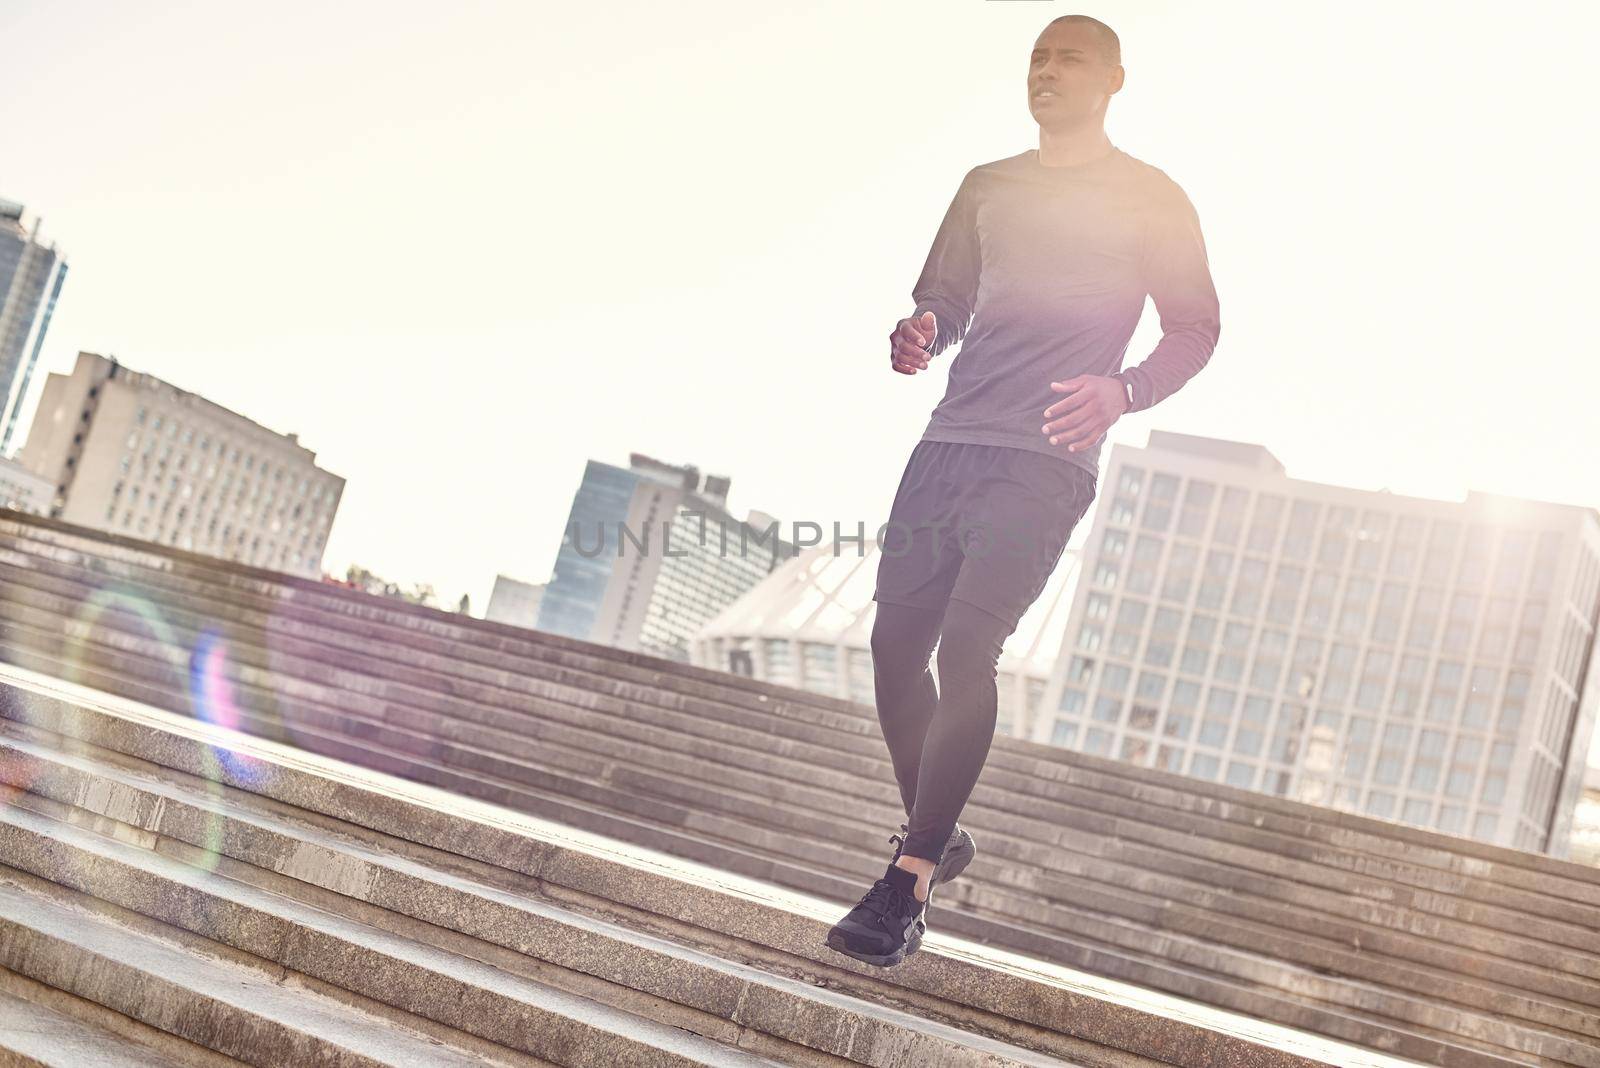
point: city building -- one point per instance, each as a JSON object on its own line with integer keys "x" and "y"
{"x": 650, "y": 554}
{"x": 809, "y": 624}
{"x": 1419, "y": 660}
{"x": 31, "y": 275}
{"x": 131, "y": 454}
{"x": 23, "y": 491}
{"x": 1585, "y": 842}
{"x": 514, "y": 602}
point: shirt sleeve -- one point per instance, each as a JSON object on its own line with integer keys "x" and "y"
{"x": 948, "y": 286}
{"x": 1177, "y": 276}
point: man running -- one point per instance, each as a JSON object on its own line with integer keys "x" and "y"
{"x": 1050, "y": 254}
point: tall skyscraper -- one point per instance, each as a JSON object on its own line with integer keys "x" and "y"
{"x": 31, "y": 274}
{"x": 650, "y": 554}
{"x": 1421, "y": 660}
{"x": 131, "y": 454}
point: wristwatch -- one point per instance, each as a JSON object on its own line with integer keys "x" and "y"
{"x": 1127, "y": 386}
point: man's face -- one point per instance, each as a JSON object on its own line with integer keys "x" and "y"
{"x": 1068, "y": 79}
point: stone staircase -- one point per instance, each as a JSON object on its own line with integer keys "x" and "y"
{"x": 237, "y": 898}
{"x": 1433, "y": 948}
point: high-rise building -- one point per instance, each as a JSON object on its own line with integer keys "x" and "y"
{"x": 31, "y": 274}
{"x": 131, "y": 454}
{"x": 650, "y": 554}
{"x": 1420, "y": 660}
{"x": 514, "y": 602}
{"x": 809, "y": 624}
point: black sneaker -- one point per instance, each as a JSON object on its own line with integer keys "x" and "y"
{"x": 959, "y": 849}
{"x": 887, "y": 924}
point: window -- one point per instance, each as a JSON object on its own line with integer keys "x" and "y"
{"x": 1197, "y": 650}
{"x": 1182, "y": 565}
{"x": 1391, "y": 610}
{"x": 1408, "y": 534}
{"x": 1146, "y": 562}
{"x": 1302, "y": 531}
{"x": 1374, "y": 679}
{"x": 1341, "y": 667}
{"x": 1392, "y": 754}
{"x": 1158, "y": 507}
{"x": 1319, "y": 602}
{"x": 1358, "y": 747}
{"x": 1214, "y": 580}
{"x": 1265, "y": 523}
{"x": 1481, "y": 692}
{"x": 1336, "y": 537}
{"x": 1230, "y": 516}
{"x": 1446, "y": 691}
{"x": 1250, "y": 586}
{"x": 1196, "y": 512}
{"x": 1357, "y": 603}
{"x": 1464, "y": 767}
{"x": 1235, "y": 646}
{"x": 1408, "y": 686}
{"x": 1430, "y": 755}
{"x": 1287, "y": 582}
{"x": 1442, "y": 541}
{"x": 1268, "y": 666}
{"x": 1369, "y": 541}
{"x": 1130, "y": 625}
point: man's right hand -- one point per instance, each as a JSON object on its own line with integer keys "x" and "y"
{"x": 908, "y": 344}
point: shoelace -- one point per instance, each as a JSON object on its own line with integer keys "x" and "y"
{"x": 886, "y": 899}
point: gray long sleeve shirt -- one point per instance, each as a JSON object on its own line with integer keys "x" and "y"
{"x": 1051, "y": 265}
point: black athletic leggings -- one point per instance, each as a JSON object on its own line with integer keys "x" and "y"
{"x": 938, "y": 737}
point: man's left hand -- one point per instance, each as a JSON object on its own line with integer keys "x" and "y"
{"x": 1092, "y": 403}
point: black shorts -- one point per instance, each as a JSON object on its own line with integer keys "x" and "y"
{"x": 985, "y": 524}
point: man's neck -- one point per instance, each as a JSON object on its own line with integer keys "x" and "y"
{"x": 1068, "y": 148}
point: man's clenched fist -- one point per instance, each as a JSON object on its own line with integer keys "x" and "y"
{"x": 908, "y": 344}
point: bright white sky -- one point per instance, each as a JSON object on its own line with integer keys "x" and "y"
{"x": 463, "y": 248}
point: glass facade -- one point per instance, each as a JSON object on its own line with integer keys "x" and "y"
{"x": 1372, "y": 658}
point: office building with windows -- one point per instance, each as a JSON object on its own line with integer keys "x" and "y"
{"x": 514, "y": 602}
{"x": 809, "y": 624}
{"x": 31, "y": 275}
{"x": 23, "y": 491}
{"x": 131, "y": 454}
{"x": 650, "y": 554}
{"x": 1420, "y": 660}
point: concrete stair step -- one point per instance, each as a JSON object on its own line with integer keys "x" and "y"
{"x": 35, "y": 1035}
{"x": 391, "y": 825}
{"x": 189, "y": 988}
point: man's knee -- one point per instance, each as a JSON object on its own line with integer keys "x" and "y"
{"x": 902, "y": 637}
{"x": 972, "y": 639}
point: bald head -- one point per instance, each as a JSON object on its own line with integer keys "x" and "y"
{"x": 1110, "y": 46}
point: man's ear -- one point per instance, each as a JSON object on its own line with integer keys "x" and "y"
{"x": 1117, "y": 77}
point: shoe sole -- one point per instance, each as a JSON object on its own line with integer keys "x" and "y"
{"x": 955, "y": 863}
{"x": 886, "y": 960}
